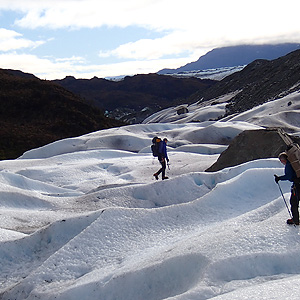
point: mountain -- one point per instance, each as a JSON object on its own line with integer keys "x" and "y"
{"x": 258, "y": 82}
{"x": 135, "y": 97}
{"x": 235, "y": 56}
{"x": 255, "y": 89}
{"x": 35, "y": 112}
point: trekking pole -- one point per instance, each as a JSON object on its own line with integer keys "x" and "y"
{"x": 284, "y": 201}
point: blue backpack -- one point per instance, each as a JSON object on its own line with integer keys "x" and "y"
{"x": 155, "y": 146}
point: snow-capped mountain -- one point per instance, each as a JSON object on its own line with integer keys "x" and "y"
{"x": 84, "y": 218}
{"x": 233, "y": 56}
{"x": 214, "y": 74}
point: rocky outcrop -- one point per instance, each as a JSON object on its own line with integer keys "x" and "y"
{"x": 251, "y": 145}
{"x": 182, "y": 110}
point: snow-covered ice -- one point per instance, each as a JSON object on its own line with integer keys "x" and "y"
{"x": 83, "y": 218}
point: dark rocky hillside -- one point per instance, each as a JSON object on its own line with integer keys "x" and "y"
{"x": 35, "y": 112}
{"x": 136, "y": 97}
{"x": 258, "y": 82}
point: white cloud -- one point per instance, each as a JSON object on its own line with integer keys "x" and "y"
{"x": 192, "y": 28}
{"x": 11, "y": 40}
{"x": 133, "y": 67}
{"x": 49, "y": 68}
{"x": 206, "y": 16}
{"x": 82, "y": 13}
{"x": 73, "y": 59}
{"x": 44, "y": 68}
{"x": 191, "y": 24}
{"x": 175, "y": 43}
{"x": 182, "y": 42}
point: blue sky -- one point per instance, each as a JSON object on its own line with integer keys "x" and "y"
{"x": 106, "y": 38}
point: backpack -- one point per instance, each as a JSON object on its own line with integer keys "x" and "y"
{"x": 155, "y": 146}
{"x": 292, "y": 151}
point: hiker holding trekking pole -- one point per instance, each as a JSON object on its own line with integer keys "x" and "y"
{"x": 290, "y": 174}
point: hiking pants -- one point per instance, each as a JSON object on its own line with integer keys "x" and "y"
{"x": 294, "y": 201}
{"x": 163, "y": 167}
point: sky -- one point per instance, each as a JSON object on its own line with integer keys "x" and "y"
{"x": 85, "y": 38}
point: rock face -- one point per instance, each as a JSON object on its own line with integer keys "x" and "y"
{"x": 250, "y": 145}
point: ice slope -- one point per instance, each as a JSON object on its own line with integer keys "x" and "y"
{"x": 282, "y": 112}
{"x": 215, "y": 74}
{"x": 84, "y": 218}
{"x": 57, "y": 178}
{"x": 232, "y": 237}
{"x": 197, "y": 112}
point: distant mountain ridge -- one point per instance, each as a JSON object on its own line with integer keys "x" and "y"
{"x": 36, "y": 112}
{"x": 259, "y": 82}
{"x": 135, "y": 97}
{"x": 235, "y": 56}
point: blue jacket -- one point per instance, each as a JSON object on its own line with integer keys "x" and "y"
{"x": 162, "y": 150}
{"x": 289, "y": 173}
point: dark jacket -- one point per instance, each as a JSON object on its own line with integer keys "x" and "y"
{"x": 289, "y": 173}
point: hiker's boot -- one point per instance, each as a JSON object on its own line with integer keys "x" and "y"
{"x": 156, "y": 176}
{"x": 291, "y": 222}
{"x": 165, "y": 178}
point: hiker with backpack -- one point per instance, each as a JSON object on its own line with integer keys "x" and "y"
{"x": 290, "y": 174}
{"x": 159, "y": 149}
